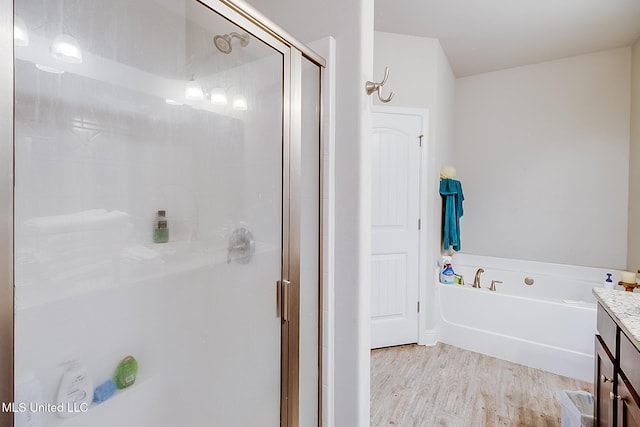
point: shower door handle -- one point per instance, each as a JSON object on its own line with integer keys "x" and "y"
{"x": 282, "y": 299}
{"x": 285, "y": 300}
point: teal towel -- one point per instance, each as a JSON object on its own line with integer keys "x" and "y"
{"x": 452, "y": 197}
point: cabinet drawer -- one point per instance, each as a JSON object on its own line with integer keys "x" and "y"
{"x": 629, "y": 361}
{"x": 607, "y": 329}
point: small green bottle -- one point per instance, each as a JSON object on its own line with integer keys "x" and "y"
{"x": 126, "y": 372}
{"x": 161, "y": 229}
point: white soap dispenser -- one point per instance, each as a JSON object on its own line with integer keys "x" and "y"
{"x": 76, "y": 390}
{"x": 608, "y": 283}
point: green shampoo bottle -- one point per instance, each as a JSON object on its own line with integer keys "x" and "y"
{"x": 126, "y": 372}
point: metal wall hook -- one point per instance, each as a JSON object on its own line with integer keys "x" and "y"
{"x": 372, "y": 87}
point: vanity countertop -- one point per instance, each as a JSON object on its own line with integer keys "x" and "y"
{"x": 624, "y": 308}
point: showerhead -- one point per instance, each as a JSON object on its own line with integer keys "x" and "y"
{"x": 223, "y": 42}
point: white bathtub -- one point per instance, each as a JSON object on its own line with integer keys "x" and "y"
{"x": 549, "y": 325}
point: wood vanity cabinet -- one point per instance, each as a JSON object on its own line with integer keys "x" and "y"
{"x": 617, "y": 375}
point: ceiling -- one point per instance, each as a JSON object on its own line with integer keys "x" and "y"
{"x": 482, "y": 36}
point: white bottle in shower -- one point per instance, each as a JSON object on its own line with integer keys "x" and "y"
{"x": 76, "y": 390}
{"x": 28, "y": 397}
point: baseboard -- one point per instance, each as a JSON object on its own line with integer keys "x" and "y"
{"x": 428, "y": 337}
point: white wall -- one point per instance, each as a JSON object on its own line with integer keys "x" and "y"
{"x": 633, "y": 251}
{"x": 351, "y": 24}
{"x": 421, "y": 77}
{"x": 413, "y": 68}
{"x": 542, "y": 152}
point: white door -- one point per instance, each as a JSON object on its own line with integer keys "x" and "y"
{"x": 396, "y": 156}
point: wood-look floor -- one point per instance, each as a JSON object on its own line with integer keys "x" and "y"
{"x": 446, "y": 386}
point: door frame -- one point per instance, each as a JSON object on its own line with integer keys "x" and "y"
{"x": 425, "y": 336}
{"x": 288, "y": 289}
{"x": 6, "y": 208}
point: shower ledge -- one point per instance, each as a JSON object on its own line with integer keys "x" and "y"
{"x": 101, "y": 410}
{"x": 33, "y": 295}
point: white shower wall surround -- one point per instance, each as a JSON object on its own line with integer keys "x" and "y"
{"x": 162, "y": 157}
{"x": 177, "y": 339}
{"x": 127, "y": 295}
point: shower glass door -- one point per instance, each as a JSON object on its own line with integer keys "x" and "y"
{"x": 149, "y": 200}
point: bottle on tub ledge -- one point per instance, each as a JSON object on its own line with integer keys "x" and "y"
{"x": 608, "y": 283}
{"x": 446, "y": 273}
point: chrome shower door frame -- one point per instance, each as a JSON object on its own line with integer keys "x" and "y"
{"x": 261, "y": 27}
{"x": 6, "y": 208}
{"x": 293, "y": 51}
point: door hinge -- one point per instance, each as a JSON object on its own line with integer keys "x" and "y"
{"x": 419, "y": 224}
{"x": 418, "y": 306}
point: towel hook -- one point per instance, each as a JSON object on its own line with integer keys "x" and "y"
{"x": 376, "y": 87}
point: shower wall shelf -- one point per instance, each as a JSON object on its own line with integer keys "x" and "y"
{"x": 32, "y": 295}
{"x": 142, "y": 385}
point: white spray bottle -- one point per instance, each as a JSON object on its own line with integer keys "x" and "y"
{"x": 76, "y": 390}
{"x": 446, "y": 272}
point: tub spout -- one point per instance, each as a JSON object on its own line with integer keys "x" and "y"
{"x": 476, "y": 280}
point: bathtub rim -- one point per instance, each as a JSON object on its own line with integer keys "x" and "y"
{"x": 467, "y": 287}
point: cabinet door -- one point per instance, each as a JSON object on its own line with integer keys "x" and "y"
{"x": 607, "y": 329}
{"x": 604, "y": 378}
{"x": 628, "y": 409}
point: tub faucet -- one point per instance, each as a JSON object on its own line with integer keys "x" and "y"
{"x": 493, "y": 284}
{"x": 476, "y": 280}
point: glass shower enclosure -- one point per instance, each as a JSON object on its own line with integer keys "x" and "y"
{"x": 165, "y": 219}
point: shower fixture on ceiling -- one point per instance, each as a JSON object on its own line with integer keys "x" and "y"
{"x": 223, "y": 42}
